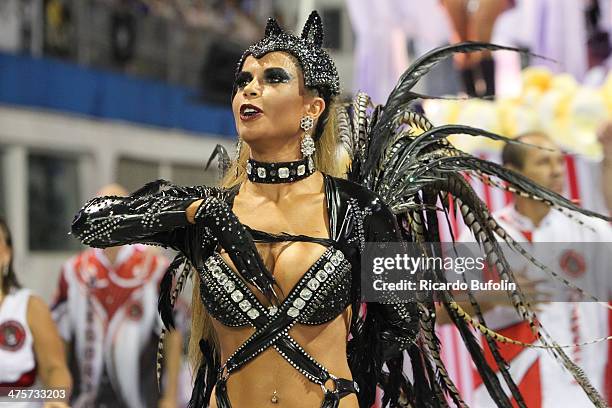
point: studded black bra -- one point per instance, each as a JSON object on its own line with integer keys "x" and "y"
{"x": 326, "y": 286}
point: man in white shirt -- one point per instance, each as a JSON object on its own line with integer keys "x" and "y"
{"x": 576, "y": 255}
{"x": 106, "y": 309}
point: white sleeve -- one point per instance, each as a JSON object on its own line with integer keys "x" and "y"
{"x": 59, "y": 308}
{"x": 589, "y": 173}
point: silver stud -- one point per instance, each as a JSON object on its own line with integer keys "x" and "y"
{"x": 283, "y": 172}
{"x": 237, "y": 295}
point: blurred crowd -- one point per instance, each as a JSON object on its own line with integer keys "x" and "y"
{"x": 241, "y": 19}
{"x": 476, "y": 20}
{"x": 169, "y": 40}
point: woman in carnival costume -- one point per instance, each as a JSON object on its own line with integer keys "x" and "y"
{"x": 277, "y": 248}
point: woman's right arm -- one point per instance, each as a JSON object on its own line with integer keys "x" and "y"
{"x": 173, "y": 218}
{"x": 160, "y": 219}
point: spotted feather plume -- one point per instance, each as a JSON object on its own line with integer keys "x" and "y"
{"x": 410, "y": 163}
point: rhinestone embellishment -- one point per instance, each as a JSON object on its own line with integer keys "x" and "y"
{"x": 237, "y": 295}
{"x": 293, "y": 312}
{"x": 307, "y": 146}
{"x": 306, "y": 123}
{"x": 306, "y": 294}
{"x": 283, "y": 172}
{"x": 318, "y": 67}
{"x": 279, "y": 172}
{"x": 329, "y": 268}
{"x": 244, "y": 305}
{"x": 253, "y": 313}
{"x": 216, "y": 271}
{"x": 313, "y": 284}
{"x": 335, "y": 260}
{"x": 272, "y": 310}
{"x": 249, "y": 168}
{"x": 299, "y": 303}
{"x": 229, "y": 286}
{"x": 322, "y": 275}
{"x": 210, "y": 262}
{"x": 222, "y": 279}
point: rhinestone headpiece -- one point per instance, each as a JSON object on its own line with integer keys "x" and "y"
{"x": 318, "y": 67}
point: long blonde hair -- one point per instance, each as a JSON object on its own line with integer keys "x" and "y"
{"x": 326, "y": 160}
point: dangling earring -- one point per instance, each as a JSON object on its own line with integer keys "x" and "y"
{"x": 237, "y": 153}
{"x": 307, "y": 145}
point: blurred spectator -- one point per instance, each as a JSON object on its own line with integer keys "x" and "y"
{"x": 30, "y": 345}
{"x": 10, "y": 25}
{"x": 123, "y": 33}
{"x": 569, "y": 318}
{"x": 605, "y": 138}
{"x": 218, "y": 70}
{"x": 598, "y": 38}
{"x": 240, "y": 27}
{"x": 58, "y": 27}
{"x": 473, "y": 20}
{"x": 106, "y": 305}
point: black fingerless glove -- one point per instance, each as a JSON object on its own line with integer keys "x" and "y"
{"x": 223, "y": 224}
{"x": 148, "y": 218}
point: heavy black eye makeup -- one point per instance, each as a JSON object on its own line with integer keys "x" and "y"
{"x": 271, "y": 75}
{"x": 242, "y": 79}
{"x": 276, "y": 75}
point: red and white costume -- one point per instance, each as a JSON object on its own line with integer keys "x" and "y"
{"x": 18, "y": 362}
{"x": 110, "y": 312}
{"x": 542, "y": 380}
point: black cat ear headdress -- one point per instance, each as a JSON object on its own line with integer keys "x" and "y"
{"x": 318, "y": 68}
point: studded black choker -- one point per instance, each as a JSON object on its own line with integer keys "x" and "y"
{"x": 280, "y": 172}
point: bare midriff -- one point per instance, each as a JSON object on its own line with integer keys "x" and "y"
{"x": 254, "y": 384}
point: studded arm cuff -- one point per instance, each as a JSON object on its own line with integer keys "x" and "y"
{"x": 149, "y": 219}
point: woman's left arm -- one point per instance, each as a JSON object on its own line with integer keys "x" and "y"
{"x": 399, "y": 323}
{"x": 48, "y": 349}
{"x": 173, "y": 357}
